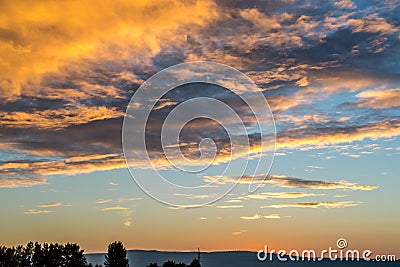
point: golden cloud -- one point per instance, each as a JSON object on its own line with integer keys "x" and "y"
{"x": 258, "y": 216}
{"x": 49, "y": 205}
{"x": 115, "y": 208}
{"x": 103, "y": 201}
{"x": 64, "y": 117}
{"x": 44, "y": 37}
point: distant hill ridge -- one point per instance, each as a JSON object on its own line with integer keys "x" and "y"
{"x": 142, "y": 258}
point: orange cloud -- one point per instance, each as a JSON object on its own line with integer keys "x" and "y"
{"x": 47, "y": 36}
{"x": 15, "y": 182}
{"x": 59, "y": 118}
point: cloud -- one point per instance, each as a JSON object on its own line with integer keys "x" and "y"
{"x": 49, "y": 205}
{"x": 60, "y": 38}
{"x": 127, "y": 224}
{"x": 315, "y": 184}
{"x": 64, "y": 86}
{"x": 16, "y": 182}
{"x": 320, "y": 137}
{"x": 379, "y": 99}
{"x": 23, "y": 174}
{"x": 280, "y": 195}
{"x": 290, "y": 182}
{"x": 239, "y": 232}
{"x": 341, "y": 204}
{"x": 260, "y": 20}
{"x": 373, "y": 24}
{"x": 258, "y": 216}
{"x": 229, "y": 207}
{"x": 314, "y": 167}
{"x": 129, "y": 199}
{"x": 59, "y": 118}
{"x": 115, "y": 208}
{"x": 345, "y": 4}
{"x": 103, "y": 201}
{"x": 34, "y": 211}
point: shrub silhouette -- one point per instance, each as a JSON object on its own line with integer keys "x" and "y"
{"x": 116, "y": 255}
{"x": 170, "y": 263}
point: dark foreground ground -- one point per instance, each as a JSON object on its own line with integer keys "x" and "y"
{"x": 141, "y": 258}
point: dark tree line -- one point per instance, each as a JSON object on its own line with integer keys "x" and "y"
{"x": 46, "y": 255}
{"x": 68, "y": 255}
{"x": 56, "y": 255}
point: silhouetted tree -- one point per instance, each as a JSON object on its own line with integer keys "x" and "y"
{"x": 25, "y": 254}
{"x": 153, "y": 265}
{"x": 73, "y": 256}
{"x": 116, "y": 255}
{"x": 8, "y": 257}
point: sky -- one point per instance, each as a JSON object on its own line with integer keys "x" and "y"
{"x": 328, "y": 69}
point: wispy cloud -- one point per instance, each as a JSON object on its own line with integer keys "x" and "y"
{"x": 129, "y": 199}
{"x": 341, "y": 204}
{"x": 103, "y": 201}
{"x": 258, "y": 216}
{"x": 127, "y": 223}
{"x": 239, "y": 232}
{"x": 49, "y": 205}
{"x": 115, "y": 208}
{"x": 290, "y": 182}
{"x": 229, "y": 207}
{"x": 35, "y": 211}
{"x": 283, "y": 195}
